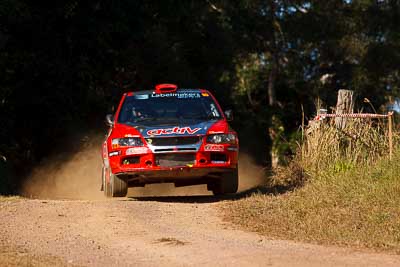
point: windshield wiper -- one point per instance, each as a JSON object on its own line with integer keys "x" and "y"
{"x": 146, "y": 119}
{"x": 209, "y": 117}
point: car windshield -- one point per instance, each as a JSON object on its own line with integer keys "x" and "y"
{"x": 168, "y": 108}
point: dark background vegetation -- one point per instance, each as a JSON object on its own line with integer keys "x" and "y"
{"x": 64, "y": 64}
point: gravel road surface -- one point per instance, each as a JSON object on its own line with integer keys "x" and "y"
{"x": 150, "y": 231}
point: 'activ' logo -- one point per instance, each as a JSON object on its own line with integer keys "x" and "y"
{"x": 175, "y": 130}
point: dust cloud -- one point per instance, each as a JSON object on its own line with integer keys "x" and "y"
{"x": 250, "y": 174}
{"x": 65, "y": 175}
{"x": 78, "y": 176}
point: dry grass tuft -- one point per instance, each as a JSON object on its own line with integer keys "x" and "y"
{"x": 291, "y": 176}
{"x": 9, "y": 198}
{"x": 362, "y": 141}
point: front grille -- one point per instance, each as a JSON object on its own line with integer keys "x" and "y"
{"x": 173, "y": 141}
{"x": 174, "y": 160}
{"x": 174, "y": 149}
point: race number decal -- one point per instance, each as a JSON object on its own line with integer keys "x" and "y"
{"x": 215, "y": 148}
{"x": 136, "y": 150}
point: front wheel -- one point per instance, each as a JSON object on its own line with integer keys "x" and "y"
{"x": 114, "y": 186}
{"x": 228, "y": 183}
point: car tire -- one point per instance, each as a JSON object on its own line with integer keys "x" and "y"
{"x": 116, "y": 187}
{"x": 228, "y": 183}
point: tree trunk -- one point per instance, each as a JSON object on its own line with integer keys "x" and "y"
{"x": 273, "y": 119}
{"x": 345, "y": 104}
{"x": 274, "y": 49}
{"x": 271, "y": 82}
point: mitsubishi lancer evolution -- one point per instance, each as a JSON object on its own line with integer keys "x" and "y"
{"x": 169, "y": 135}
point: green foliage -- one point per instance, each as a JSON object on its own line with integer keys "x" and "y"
{"x": 342, "y": 166}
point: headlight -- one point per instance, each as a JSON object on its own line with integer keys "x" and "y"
{"x": 221, "y": 139}
{"x": 127, "y": 141}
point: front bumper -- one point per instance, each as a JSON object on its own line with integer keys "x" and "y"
{"x": 188, "y": 168}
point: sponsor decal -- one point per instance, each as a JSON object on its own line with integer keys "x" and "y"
{"x": 218, "y": 162}
{"x": 216, "y": 132}
{"x": 178, "y": 95}
{"x": 232, "y": 148}
{"x": 136, "y": 150}
{"x": 174, "y": 130}
{"x": 131, "y": 135}
{"x": 218, "y": 148}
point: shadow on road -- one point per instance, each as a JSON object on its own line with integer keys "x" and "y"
{"x": 182, "y": 199}
{"x": 277, "y": 190}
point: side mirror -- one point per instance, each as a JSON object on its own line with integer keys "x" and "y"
{"x": 110, "y": 120}
{"x": 229, "y": 115}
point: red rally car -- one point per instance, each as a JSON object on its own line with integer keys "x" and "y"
{"x": 170, "y": 135}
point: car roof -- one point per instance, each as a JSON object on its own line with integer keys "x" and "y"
{"x": 179, "y": 90}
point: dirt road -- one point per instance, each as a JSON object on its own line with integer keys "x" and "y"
{"x": 163, "y": 231}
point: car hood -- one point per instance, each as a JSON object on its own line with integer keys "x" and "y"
{"x": 173, "y": 130}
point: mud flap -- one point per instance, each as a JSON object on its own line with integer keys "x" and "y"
{"x": 102, "y": 179}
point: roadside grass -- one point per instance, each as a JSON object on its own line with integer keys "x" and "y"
{"x": 344, "y": 201}
{"x": 359, "y": 207}
{"x": 9, "y": 198}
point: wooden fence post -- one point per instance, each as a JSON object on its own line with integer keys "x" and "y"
{"x": 390, "y": 122}
{"x": 345, "y": 104}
